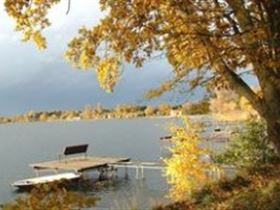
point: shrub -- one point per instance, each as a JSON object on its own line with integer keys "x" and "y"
{"x": 249, "y": 148}
{"x": 185, "y": 171}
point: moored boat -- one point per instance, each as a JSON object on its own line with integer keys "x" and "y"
{"x": 29, "y": 183}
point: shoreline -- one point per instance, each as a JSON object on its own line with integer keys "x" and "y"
{"x": 122, "y": 111}
{"x": 90, "y": 120}
{"x": 208, "y": 116}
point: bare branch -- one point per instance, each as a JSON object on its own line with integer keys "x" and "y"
{"x": 68, "y": 7}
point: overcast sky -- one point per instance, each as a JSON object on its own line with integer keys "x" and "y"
{"x": 42, "y": 80}
{"x": 34, "y": 80}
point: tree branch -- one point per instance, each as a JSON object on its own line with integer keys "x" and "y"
{"x": 68, "y": 7}
{"x": 242, "y": 88}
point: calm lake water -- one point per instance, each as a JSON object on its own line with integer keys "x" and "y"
{"x": 22, "y": 144}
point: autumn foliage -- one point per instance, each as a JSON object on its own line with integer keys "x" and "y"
{"x": 207, "y": 42}
{"x": 185, "y": 169}
{"x": 52, "y": 196}
{"x": 226, "y": 105}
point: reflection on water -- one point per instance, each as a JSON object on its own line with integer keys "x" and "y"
{"x": 51, "y": 196}
{"x": 120, "y": 192}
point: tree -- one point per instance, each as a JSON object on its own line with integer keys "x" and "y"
{"x": 185, "y": 169}
{"x": 249, "y": 147}
{"x": 227, "y": 105}
{"x": 43, "y": 117}
{"x": 150, "y": 111}
{"x": 216, "y": 41}
{"x": 88, "y": 112}
{"x": 164, "y": 109}
{"x": 99, "y": 109}
{"x": 201, "y": 107}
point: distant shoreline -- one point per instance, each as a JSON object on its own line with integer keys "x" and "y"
{"x": 101, "y": 113}
{"x": 90, "y": 120}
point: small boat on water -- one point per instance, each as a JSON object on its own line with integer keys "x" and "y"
{"x": 29, "y": 183}
{"x": 217, "y": 129}
{"x": 166, "y": 137}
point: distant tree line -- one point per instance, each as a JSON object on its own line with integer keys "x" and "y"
{"x": 119, "y": 112}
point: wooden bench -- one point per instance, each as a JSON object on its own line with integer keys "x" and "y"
{"x": 74, "y": 150}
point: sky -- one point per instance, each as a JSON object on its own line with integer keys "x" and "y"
{"x": 36, "y": 80}
{"x": 41, "y": 80}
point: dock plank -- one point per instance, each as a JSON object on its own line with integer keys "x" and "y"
{"x": 78, "y": 163}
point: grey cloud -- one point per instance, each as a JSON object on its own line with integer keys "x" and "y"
{"x": 41, "y": 80}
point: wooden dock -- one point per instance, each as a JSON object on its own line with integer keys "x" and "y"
{"x": 139, "y": 167}
{"x": 78, "y": 164}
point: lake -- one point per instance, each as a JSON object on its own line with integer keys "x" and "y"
{"x": 22, "y": 144}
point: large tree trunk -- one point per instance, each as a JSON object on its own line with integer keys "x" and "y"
{"x": 271, "y": 110}
{"x": 268, "y": 106}
{"x": 273, "y": 130}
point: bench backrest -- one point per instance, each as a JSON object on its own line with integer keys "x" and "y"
{"x": 76, "y": 149}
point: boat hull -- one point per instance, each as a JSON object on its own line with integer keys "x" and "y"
{"x": 61, "y": 179}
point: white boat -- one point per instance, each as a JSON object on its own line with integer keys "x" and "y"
{"x": 29, "y": 183}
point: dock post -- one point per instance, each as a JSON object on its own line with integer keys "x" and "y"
{"x": 137, "y": 172}
{"x": 114, "y": 172}
{"x": 142, "y": 172}
{"x": 126, "y": 173}
{"x": 102, "y": 174}
{"x": 36, "y": 172}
